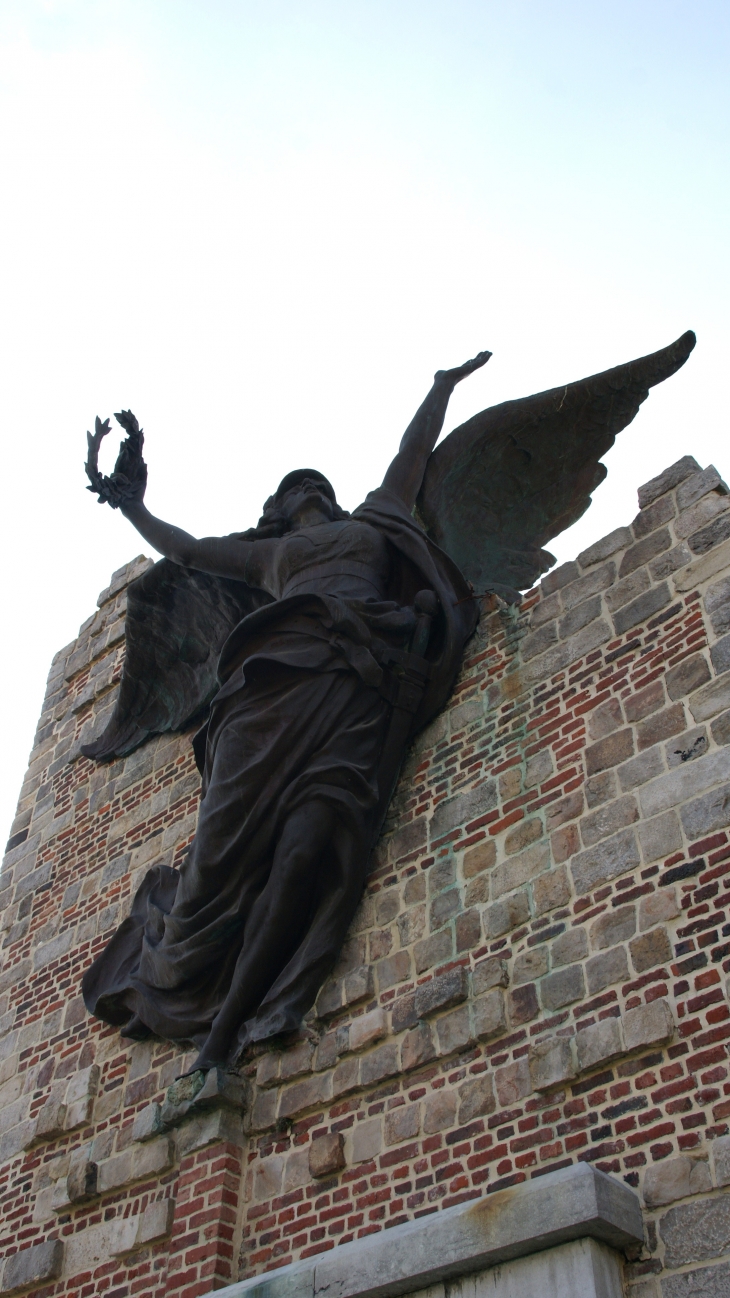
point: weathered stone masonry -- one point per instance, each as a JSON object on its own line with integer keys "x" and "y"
{"x": 537, "y": 974}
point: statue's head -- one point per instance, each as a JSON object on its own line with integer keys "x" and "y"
{"x": 303, "y": 497}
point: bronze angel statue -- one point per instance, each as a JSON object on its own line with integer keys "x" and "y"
{"x": 315, "y": 646}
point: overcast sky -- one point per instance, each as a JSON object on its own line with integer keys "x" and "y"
{"x": 262, "y": 224}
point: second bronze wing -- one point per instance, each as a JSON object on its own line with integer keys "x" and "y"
{"x": 177, "y": 621}
{"x": 514, "y": 476}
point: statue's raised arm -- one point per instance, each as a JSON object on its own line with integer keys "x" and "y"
{"x": 405, "y": 473}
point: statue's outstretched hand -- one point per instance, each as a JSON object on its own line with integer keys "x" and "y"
{"x": 461, "y": 371}
{"x": 129, "y": 479}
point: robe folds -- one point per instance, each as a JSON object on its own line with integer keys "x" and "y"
{"x": 302, "y": 715}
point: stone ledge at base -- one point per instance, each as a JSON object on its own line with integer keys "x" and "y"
{"x": 574, "y": 1203}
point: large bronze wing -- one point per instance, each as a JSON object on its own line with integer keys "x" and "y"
{"x": 177, "y": 621}
{"x": 516, "y": 475}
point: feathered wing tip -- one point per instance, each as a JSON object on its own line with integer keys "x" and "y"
{"x": 514, "y": 476}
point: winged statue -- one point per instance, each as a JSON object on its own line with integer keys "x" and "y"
{"x": 312, "y": 648}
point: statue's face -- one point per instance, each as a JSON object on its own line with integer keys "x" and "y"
{"x": 307, "y": 504}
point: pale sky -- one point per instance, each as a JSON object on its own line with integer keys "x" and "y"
{"x": 263, "y": 225}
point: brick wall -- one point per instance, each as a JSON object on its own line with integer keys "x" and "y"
{"x": 536, "y": 976}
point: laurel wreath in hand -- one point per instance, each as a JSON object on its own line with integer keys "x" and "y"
{"x": 129, "y": 479}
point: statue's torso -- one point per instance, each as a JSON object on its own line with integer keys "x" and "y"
{"x": 347, "y": 558}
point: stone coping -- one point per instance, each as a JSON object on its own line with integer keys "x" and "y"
{"x": 572, "y": 1203}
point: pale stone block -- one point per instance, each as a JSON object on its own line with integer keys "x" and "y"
{"x": 268, "y": 1176}
{"x": 267, "y": 1070}
{"x": 221, "y": 1087}
{"x": 463, "y": 808}
{"x": 611, "y": 857}
{"x": 368, "y": 1028}
{"x": 147, "y": 1123}
{"x": 721, "y": 1159}
{"x": 152, "y": 1158}
{"x": 711, "y": 699}
{"x": 689, "y": 780}
{"x": 598, "y": 1043}
{"x": 439, "y": 1111}
{"x": 506, "y": 914}
{"x": 79, "y": 1183}
{"x": 648, "y": 1024}
{"x": 520, "y": 869}
{"x": 489, "y": 1015}
{"x": 37, "y": 1265}
{"x": 442, "y": 992}
{"x": 51, "y": 1120}
{"x": 551, "y": 1062}
{"x": 155, "y": 1221}
{"x": 294, "y": 1062}
{"x": 305, "y": 1094}
{"x": 489, "y": 973}
{"x": 454, "y": 1030}
{"x": 538, "y": 768}
{"x": 569, "y": 947}
{"x": 135, "y": 1232}
{"x": 581, "y": 597}
{"x": 346, "y": 1077}
{"x": 656, "y": 907}
{"x": 530, "y": 965}
{"x": 699, "y": 485}
{"x": 675, "y": 1178}
{"x": 524, "y": 833}
{"x": 210, "y": 1128}
{"x": 660, "y": 837}
{"x": 402, "y": 1124}
{"x": 717, "y": 560}
{"x": 608, "y": 545}
{"x": 707, "y": 813}
{"x": 608, "y": 820}
{"x": 115, "y": 1172}
{"x": 296, "y": 1170}
{"x": 476, "y": 1097}
{"x": 650, "y": 949}
{"x": 326, "y": 1154}
{"x": 513, "y": 1083}
{"x": 551, "y": 890}
{"x": 78, "y": 1114}
{"x": 264, "y": 1110}
{"x": 417, "y": 1047}
{"x": 11, "y": 1090}
{"x": 57, "y": 947}
{"x": 367, "y": 1141}
{"x": 43, "y": 1206}
{"x": 562, "y": 987}
{"x": 699, "y": 514}
{"x": 358, "y": 984}
{"x": 610, "y": 967}
{"x": 700, "y": 1282}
